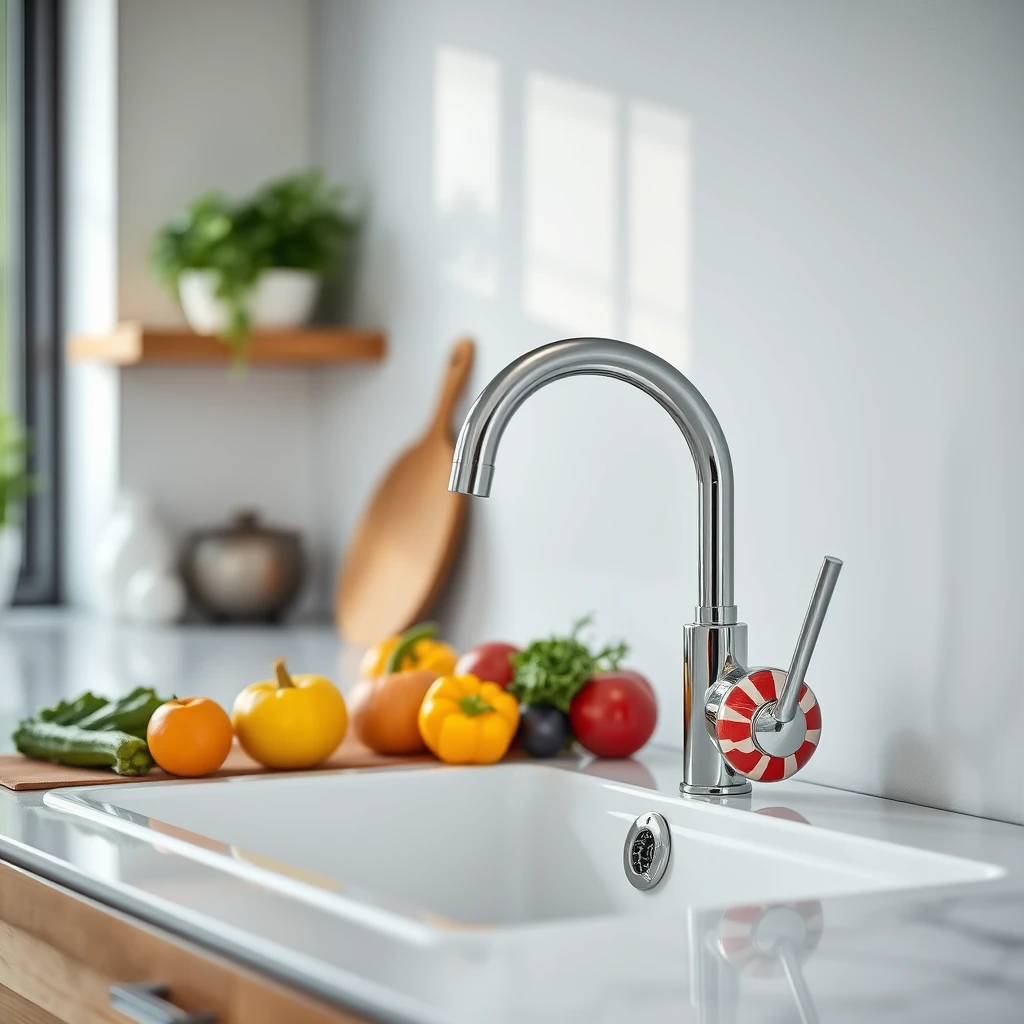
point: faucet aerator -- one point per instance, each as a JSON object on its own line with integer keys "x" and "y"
{"x": 473, "y": 478}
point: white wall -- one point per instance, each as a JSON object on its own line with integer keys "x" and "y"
{"x": 840, "y": 276}
{"x": 89, "y": 272}
{"x": 213, "y": 96}
{"x": 166, "y": 101}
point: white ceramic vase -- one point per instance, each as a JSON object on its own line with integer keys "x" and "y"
{"x": 10, "y": 562}
{"x": 133, "y": 539}
{"x": 281, "y": 298}
{"x": 155, "y": 596}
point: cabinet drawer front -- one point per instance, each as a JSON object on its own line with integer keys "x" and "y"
{"x": 15, "y": 1009}
{"x": 60, "y": 955}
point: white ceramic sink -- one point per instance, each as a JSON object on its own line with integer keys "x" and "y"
{"x": 433, "y": 853}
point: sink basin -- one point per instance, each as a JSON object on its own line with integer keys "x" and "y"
{"x": 435, "y": 853}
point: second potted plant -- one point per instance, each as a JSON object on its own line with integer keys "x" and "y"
{"x": 15, "y": 486}
{"x": 257, "y": 263}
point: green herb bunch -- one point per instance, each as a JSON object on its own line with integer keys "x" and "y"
{"x": 15, "y": 482}
{"x": 553, "y": 671}
{"x": 296, "y": 222}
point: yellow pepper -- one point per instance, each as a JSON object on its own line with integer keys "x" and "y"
{"x": 290, "y": 721}
{"x": 421, "y": 651}
{"x": 466, "y": 721}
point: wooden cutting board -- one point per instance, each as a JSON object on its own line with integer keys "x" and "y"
{"x": 20, "y": 773}
{"x": 406, "y": 541}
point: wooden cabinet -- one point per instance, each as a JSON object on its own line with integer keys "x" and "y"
{"x": 60, "y": 954}
{"x": 16, "y": 1010}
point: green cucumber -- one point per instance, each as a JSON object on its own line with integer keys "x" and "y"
{"x": 84, "y": 748}
{"x": 130, "y": 714}
{"x": 70, "y": 712}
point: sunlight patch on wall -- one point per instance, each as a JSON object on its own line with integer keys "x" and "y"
{"x": 658, "y": 232}
{"x": 467, "y": 166}
{"x": 570, "y": 189}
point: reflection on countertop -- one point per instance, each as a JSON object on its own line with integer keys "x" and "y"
{"x": 48, "y": 654}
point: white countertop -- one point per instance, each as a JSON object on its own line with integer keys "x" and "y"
{"x": 951, "y": 954}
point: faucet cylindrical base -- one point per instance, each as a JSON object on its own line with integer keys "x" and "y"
{"x": 739, "y": 789}
{"x": 709, "y": 652}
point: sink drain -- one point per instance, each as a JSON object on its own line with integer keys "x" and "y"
{"x": 646, "y": 851}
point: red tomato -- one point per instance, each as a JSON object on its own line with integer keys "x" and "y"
{"x": 488, "y": 662}
{"x": 614, "y": 714}
{"x": 633, "y": 674}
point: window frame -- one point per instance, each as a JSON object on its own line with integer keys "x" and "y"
{"x": 35, "y": 352}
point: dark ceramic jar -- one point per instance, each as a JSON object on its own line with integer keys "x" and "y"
{"x": 244, "y": 571}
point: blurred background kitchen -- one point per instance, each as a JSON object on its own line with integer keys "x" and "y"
{"x": 814, "y": 210}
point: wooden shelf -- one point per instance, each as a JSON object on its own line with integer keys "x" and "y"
{"x": 133, "y": 344}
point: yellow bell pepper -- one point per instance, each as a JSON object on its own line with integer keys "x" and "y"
{"x": 465, "y": 721}
{"x": 419, "y": 651}
{"x": 290, "y": 721}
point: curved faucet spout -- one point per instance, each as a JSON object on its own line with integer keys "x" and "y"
{"x": 473, "y": 466}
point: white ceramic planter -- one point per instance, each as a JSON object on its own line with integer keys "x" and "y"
{"x": 282, "y": 298}
{"x": 10, "y": 562}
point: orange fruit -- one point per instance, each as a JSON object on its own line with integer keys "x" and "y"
{"x": 189, "y": 736}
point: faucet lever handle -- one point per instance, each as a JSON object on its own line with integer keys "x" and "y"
{"x": 785, "y": 708}
{"x": 765, "y": 722}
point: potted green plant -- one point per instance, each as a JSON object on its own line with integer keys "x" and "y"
{"x": 255, "y": 263}
{"x": 15, "y": 486}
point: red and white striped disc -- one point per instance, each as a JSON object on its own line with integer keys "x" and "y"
{"x": 736, "y": 934}
{"x": 735, "y": 727}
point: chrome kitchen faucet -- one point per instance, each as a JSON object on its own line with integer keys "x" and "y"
{"x": 739, "y": 723}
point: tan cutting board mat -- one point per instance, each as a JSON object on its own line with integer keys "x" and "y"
{"x": 19, "y": 772}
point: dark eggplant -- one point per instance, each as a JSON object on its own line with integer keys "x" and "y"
{"x": 543, "y": 730}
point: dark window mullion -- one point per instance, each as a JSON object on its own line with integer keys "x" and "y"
{"x": 40, "y": 350}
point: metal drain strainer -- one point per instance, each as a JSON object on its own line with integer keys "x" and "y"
{"x": 646, "y": 851}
